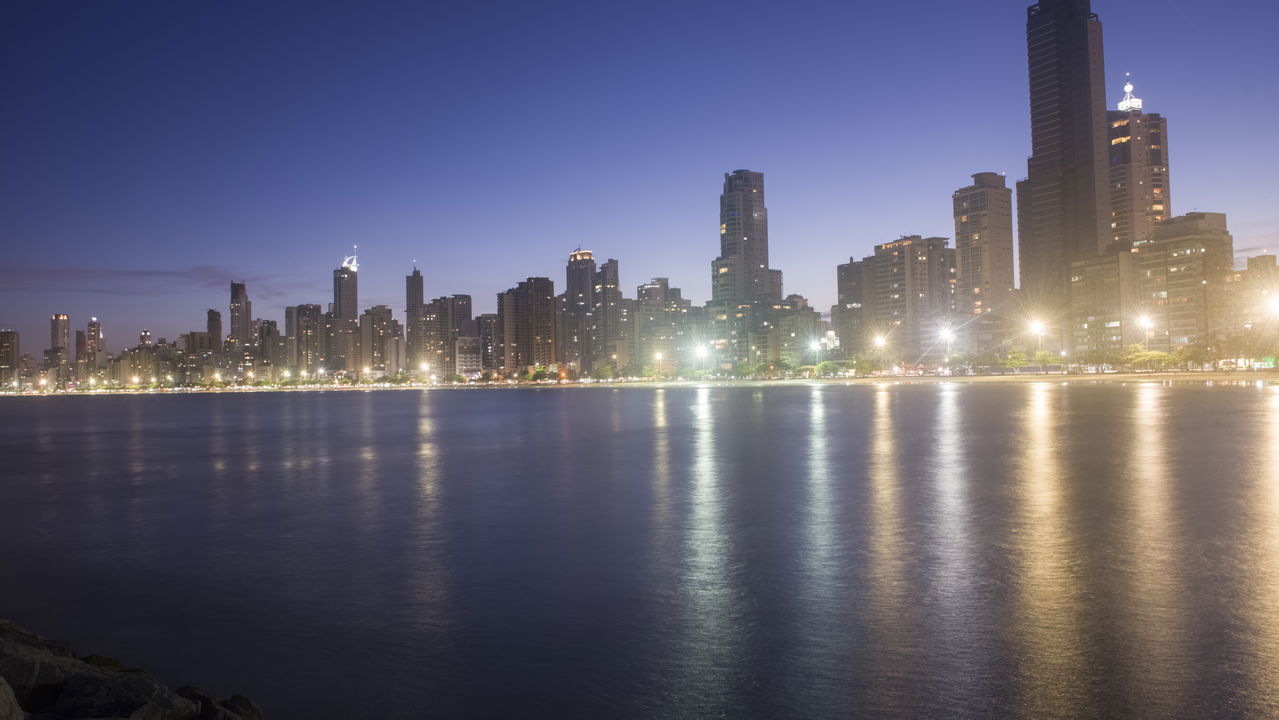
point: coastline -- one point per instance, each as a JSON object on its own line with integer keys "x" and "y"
{"x": 1236, "y": 378}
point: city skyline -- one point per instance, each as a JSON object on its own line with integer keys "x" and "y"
{"x": 808, "y": 258}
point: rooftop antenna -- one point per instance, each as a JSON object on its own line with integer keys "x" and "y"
{"x": 1129, "y": 102}
{"x": 352, "y": 261}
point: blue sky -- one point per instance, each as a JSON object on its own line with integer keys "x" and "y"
{"x": 153, "y": 151}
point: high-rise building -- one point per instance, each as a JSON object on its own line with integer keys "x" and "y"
{"x": 342, "y": 328}
{"x": 414, "y": 293}
{"x": 241, "y": 315}
{"x": 741, "y": 272}
{"x": 575, "y": 339}
{"x": 308, "y": 334}
{"x": 659, "y": 327}
{"x": 59, "y": 340}
{"x": 1140, "y": 191}
{"x": 911, "y": 296}
{"x": 851, "y": 314}
{"x": 213, "y": 325}
{"x": 346, "y": 295}
{"x": 609, "y": 341}
{"x": 93, "y": 342}
{"x": 487, "y": 327}
{"x": 381, "y": 345}
{"x": 1063, "y": 205}
{"x": 983, "y": 215}
{"x": 526, "y": 326}
{"x": 10, "y": 357}
{"x": 81, "y": 346}
{"x": 1185, "y": 262}
{"x": 1105, "y": 317}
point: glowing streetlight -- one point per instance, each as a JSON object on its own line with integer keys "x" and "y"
{"x": 947, "y": 335}
{"x": 700, "y": 352}
{"x": 1037, "y": 328}
{"x": 1273, "y": 305}
{"x": 286, "y": 374}
{"x": 880, "y": 341}
{"x": 368, "y": 370}
{"x": 135, "y": 379}
{"x": 92, "y": 381}
{"x": 1146, "y": 323}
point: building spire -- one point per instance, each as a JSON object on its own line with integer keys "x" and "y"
{"x": 352, "y": 261}
{"x": 1129, "y": 102}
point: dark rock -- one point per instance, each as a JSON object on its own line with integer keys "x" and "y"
{"x": 237, "y": 707}
{"x": 46, "y": 680}
{"x": 9, "y": 709}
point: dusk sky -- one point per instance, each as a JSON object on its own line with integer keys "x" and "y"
{"x": 152, "y": 152}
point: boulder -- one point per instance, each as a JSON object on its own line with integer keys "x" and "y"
{"x": 44, "y": 680}
{"x": 9, "y": 709}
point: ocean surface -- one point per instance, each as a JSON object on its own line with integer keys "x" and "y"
{"x": 785, "y": 551}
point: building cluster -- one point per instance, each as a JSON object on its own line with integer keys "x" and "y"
{"x": 1103, "y": 263}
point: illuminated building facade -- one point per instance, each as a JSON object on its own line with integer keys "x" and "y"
{"x": 1140, "y": 191}
{"x": 1063, "y": 205}
{"x": 983, "y": 215}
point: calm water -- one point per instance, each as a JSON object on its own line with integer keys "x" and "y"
{"x": 1029, "y": 551}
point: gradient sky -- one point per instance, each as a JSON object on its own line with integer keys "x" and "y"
{"x": 150, "y": 152}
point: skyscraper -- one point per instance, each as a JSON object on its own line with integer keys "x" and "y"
{"x": 381, "y": 343}
{"x": 741, "y": 273}
{"x": 414, "y": 293}
{"x": 575, "y": 339}
{"x": 414, "y": 307}
{"x": 911, "y": 294}
{"x": 343, "y": 332}
{"x": 346, "y": 295}
{"x": 308, "y": 332}
{"x": 1140, "y": 192}
{"x": 608, "y": 322}
{"x": 93, "y": 337}
{"x": 241, "y": 315}
{"x": 10, "y": 352}
{"x": 59, "y": 339}
{"x": 983, "y": 243}
{"x": 213, "y": 325}
{"x": 486, "y": 326}
{"x": 1063, "y": 205}
{"x": 526, "y": 325}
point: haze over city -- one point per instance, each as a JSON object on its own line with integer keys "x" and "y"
{"x": 153, "y": 153}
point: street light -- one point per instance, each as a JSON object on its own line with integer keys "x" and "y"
{"x": 1145, "y": 322}
{"x": 880, "y": 341}
{"x": 1273, "y": 305}
{"x": 1037, "y": 328}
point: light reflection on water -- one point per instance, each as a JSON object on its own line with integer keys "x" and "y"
{"x": 1023, "y": 551}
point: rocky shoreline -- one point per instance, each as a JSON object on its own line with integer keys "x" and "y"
{"x": 42, "y": 679}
